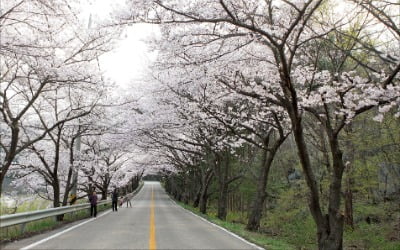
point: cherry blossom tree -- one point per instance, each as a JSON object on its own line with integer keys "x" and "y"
{"x": 52, "y": 151}
{"x": 59, "y": 53}
{"x": 280, "y": 64}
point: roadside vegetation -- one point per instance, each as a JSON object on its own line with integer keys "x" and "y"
{"x": 286, "y": 222}
{"x": 12, "y": 233}
{"x": 287, "y": 228}
{"x": 19, "y": 204}
{"x": 234, "y": 225}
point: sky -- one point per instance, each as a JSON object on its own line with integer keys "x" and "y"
{"x": 131, "y": 57}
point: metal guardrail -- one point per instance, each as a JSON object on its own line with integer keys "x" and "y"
{"x": 25, "y": 217}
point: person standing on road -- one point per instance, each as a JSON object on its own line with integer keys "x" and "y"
{"x": 114, "y": 198}
{"x": 93, "y": 204}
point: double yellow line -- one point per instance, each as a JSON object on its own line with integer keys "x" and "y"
{"x": 152, "y": 239}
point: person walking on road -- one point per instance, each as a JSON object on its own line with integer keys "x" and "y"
{"x": 128, "y": 198}
{"x": 121, "y": 201}
{"x": 93, "y": 204}
{"x": 114, "y": 198}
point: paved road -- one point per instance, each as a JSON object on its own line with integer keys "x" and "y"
{"x": 153, "y": 222}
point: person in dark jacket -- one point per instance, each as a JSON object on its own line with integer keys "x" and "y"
{"x": 93, "y": 204}
{"x": 114, "y": 198}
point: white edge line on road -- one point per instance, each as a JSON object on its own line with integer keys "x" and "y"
{"x": 60, "y": 233}
{"x": 223, "y": 229}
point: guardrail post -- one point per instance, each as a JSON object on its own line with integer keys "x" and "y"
{"x": 22, "y": 228}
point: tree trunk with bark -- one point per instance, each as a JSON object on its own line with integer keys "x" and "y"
{"x": 68, "y": 187}
{"x": 204, "y": 191}
{"x": 222, "y": 210}
{"x": 197, "y": 198}
{"x": 10, "y": 154}
{"x": 253, "y": 223}
{"x": 348, "y": 206}
{"x": 220, "y": 173}
{"x": 332, "y": 238}
{"x": 330, "y": 226}
{"x": 269, "y": 153}
{"x": 56, "y": 199}
{"x": 104, "y": 193}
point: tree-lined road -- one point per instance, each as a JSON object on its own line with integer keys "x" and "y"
{"x": 153, "y": 222}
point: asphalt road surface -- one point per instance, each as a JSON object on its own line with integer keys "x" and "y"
{"x": 153, "y": 222}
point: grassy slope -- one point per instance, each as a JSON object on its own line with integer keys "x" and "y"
{"x": 239, "y": 229}
{"x": 295, "y": 229}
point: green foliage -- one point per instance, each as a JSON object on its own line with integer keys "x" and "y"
{"x": 377, "y": 148}
{"x": 36, "y": 204}
{"x": 236, "y": 217}
{"x": 29, "y": 205}
{"x": 290, "y": 220}
{"x": 371, "y": 236}
{"x": 239, "y": 229}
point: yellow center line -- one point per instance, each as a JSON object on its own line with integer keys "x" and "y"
{"x": 152, "y": 239}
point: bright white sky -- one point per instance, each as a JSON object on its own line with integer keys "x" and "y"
{"x": 131, "y": 57}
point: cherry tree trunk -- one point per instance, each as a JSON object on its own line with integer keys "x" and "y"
{"x": 222, "y": 173}
{"x": 348, "y": 206}
{"x": 10, "y": 155}
{"x": 197, "y": 198}
{"x": 56, "y": 199}
{"x": 222, "y": 201}
{"x": 203, "y": 203}
{"x": 204, "y": 191}
{"x": 103, "y": 194}
{"x": 332, "y": 237}
{"x": 253, "y": 223}
{"x": 68, "y": 186}
{"x": 185, "y": 193}
{"x": 330, "y": 226}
